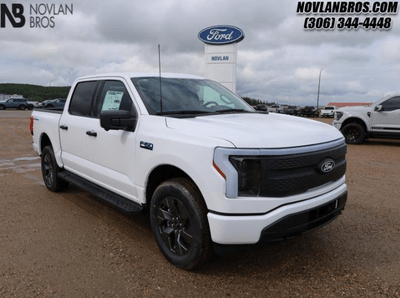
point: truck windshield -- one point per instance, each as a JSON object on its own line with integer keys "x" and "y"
{"x": 187, "y": 96}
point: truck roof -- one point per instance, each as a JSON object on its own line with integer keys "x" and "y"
{"x": 129, "y": 75}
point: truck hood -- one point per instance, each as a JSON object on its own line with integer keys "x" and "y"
{"x": 255, "y": 130}
{"x": 355, "y": 108}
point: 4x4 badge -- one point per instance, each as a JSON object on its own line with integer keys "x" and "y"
{"x": 327, "y": 165}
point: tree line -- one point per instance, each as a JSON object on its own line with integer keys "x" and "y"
{"x": 34, "y": 92}
{"x": 253, "y": 101}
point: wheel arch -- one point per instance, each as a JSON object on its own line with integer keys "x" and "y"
{"x": 162, "y": 173}
{"x": 44, "y": 141}
{"x": 356, "y": 120}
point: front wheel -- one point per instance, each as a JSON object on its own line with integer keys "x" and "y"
{"x": 50, "y": 170}
{"x": 178, "y": 217}
{"x": 354, "y": 133}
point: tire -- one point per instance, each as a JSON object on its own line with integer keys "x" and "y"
{"x": 50, "y": 170}
{"x": 22, "y": 107}
{"x": 178, "y": 217}
{"x": 354, "y": 133}
{"x": 2, "y": 107}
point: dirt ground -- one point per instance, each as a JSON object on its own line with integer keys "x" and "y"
{"x": 71, "y": 245}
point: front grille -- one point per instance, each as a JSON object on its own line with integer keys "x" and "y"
{"x": 287, "y": 175}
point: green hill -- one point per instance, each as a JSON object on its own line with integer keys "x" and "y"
{"x": 34, "y": 92}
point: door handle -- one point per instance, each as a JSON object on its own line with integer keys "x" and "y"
{"x": 91, "y": 133}
{"x": 64, "y": 127}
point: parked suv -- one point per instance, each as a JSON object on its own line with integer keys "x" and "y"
{"x": 380, "y": 120}
{"x": 55, "y": 103}
{"x": 15, "y": 103}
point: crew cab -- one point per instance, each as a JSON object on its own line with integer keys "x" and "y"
{"x": 380, "y": 120}
{"x": 211, "y": 171}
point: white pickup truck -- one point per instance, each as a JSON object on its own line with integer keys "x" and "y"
{"x": 211, "y": 171}
{"x": 380, "y": 120}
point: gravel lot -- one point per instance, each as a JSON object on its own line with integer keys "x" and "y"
{"x": 72, "y": 245}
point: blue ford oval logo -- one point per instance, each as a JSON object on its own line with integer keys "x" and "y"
{"x": 219, "y": 35}
{"x": 327, "y": 165}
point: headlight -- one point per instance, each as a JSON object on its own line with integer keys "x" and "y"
{"x": 249, "y": 175}
{"x": 338, "y": 115}
{"x": 241, "y": 169}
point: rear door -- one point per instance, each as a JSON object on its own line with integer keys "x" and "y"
{"x": 74, "y": 125}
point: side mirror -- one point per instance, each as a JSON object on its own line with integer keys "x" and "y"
{"x": 378, "y": 108}
{"x": 117, "y": 120}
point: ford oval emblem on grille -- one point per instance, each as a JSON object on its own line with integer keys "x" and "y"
{"x": 327, "y": 165}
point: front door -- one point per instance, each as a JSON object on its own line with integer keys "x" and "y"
{"x": 387, "y": 120}
{"x": 112, "y": 153}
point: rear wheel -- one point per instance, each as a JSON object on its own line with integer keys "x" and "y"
{"x": 354, "y": 133}
{"x": 178, "y": 217}
{"x": 2, "y": 107}
{"x": 22, "y": 107}
{"x": 50, "y": 170}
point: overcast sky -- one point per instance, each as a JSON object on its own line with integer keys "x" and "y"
{"x": 277, "y": 60}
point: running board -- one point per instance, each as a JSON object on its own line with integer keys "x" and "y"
{"x": 121, "y": 203}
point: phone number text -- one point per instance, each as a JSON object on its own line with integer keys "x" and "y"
{"x": 347, "y": 23}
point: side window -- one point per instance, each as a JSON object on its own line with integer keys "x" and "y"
{"x": 391, "y": 104}
{"x": 115, "y": 96}
{"x": 81, "y": 101}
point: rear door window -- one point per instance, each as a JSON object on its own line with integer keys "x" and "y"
{"x": 81, "y": 101}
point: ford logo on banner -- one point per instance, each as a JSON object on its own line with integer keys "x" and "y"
{"x": 220, "y": 35}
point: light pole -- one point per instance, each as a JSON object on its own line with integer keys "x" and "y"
{"x": 319, "y": 84}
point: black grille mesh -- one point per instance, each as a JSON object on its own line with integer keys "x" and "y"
{"x": 287, "y": 175}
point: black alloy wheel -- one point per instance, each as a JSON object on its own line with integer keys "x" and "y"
{"x": 175, "y": 226}
{"x": 178, "y": 217}
{"x": 354, "y": 133}
{"x": 50, "y": 170}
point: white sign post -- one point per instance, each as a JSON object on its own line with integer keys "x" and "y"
{"x": 221, "y": 53}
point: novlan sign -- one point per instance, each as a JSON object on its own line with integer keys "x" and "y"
{"x": 221, "y": 35}
{"x": 221, "y": 53}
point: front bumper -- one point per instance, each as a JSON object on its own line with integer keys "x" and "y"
{"x": 337, "y": 125}
{"x": 284, "y": 222}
